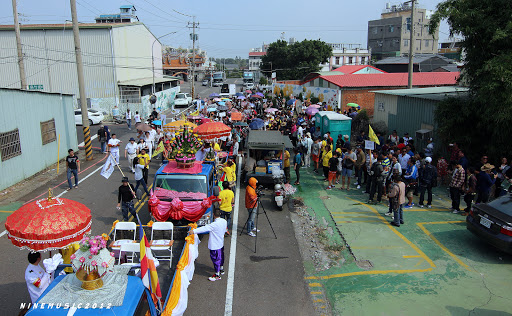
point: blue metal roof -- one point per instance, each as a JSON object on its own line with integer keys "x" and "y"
{"x": 126, "y": 6}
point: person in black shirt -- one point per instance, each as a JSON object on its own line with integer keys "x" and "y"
{"x": 154, "y": 114}
{"x": 73, "y": 167}
{"x": 125, "y": 199}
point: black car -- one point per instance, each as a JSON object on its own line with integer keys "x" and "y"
{"x": 493, "y": 222}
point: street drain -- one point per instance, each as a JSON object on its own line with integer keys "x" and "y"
{"x": 298, "y": 203}
{"x": 364, "y": 264}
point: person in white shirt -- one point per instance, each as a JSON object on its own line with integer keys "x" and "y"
{"x": 129, "y": 119}
{"x": 130, "y": 152}
{"x": 149, "y": 142}
{"x": 215, "y": 242}
{"x": 36, "y": 278}
{"x": 403, "y": 158}
{"x": 236, "y": 145}
{"x": 139, "y": 178}
{"x": 300, "y": 132}
{"x": 136, "y": 117}
{"x": 113, "y": 144}
{"x": 307, "y": 143}
{"x": 407, "y": 139}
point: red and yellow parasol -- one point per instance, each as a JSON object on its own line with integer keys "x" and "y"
{"x": 212, "y": 130}
{"x": 48, "y": 224}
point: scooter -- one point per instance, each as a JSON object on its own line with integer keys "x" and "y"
{"x": 279, "y": 192}
{"x": 118, "y": 119}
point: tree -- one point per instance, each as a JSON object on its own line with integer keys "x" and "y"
{"x": 486, "y": 29}
{"x": 295, "y": 61}
{"x": 263, "y": 81}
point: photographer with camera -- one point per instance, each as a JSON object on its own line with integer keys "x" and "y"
{"x": 251, "y": 203}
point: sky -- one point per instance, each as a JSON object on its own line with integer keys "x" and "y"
{"x": 227, "y": 28}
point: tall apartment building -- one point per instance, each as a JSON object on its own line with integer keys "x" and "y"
{"x": 389, "y": 36}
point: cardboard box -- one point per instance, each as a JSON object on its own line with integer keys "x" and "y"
{"x": 261, "y": 170}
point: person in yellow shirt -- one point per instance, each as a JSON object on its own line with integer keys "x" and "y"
{"x": 216, "y": 147}
{"x": 144, "y": 160}
{"x": 227, "y": 199}
{"x": 233, "y": 166}
{"x": 326, "y": 155}
{"x": 286, "y": 165}
{"x": 230, "y": 173}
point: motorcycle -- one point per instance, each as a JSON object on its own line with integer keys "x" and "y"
{"x": 279, "y": 192}
{"x": 118, "y": 119}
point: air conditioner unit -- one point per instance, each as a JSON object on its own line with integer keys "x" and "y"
{"x": 424, "y": 134}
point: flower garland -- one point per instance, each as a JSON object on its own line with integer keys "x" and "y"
{"x": 93, "y": 255}
{"x": 185, "y": 144}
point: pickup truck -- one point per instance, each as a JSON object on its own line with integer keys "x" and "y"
{"x": 190, "y": 188}
{"x": 182, "y": 100}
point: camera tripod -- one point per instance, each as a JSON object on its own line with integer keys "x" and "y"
{"x": 256, "y": 224}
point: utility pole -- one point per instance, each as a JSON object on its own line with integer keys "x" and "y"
{"x": 194, "y": 38}
{"x": 81, "y": 83}
{"x": 21, "y": 65}
{"x": 411, "y": 47}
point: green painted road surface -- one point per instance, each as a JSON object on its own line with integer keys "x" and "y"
{"x": 431, "y": 265}
{"x": 8, "y": 209}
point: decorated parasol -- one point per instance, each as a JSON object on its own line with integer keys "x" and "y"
{"x": 354, "y": 105}
{"x": 177, "y": 125}
{"x": 316, "y": 106}
{"x": 212, "y": 130}
{"x": 143, "y": 127}
{"x": 312, "y": 110}
{"x": 48, "y": 224}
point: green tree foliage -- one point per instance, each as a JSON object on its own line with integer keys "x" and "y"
{"x": 482, "y": 122}
{"x": 263, "y": 81}
{"x": 293, "y": 62}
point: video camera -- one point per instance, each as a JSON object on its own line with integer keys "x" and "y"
{"x": 259, "y": 191}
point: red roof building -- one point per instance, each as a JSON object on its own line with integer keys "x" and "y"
{"x": 358, "y": 69}
{"x": 255, "y": 54}
{"x": 359, "y": 88}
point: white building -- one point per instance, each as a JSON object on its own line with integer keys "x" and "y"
{"x": 255, "y": 60}
{"x": 112, "y": 53}
{"x": 346, "y": 54}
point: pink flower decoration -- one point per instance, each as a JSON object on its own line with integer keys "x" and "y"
{"x": 112, "y": 254}
{"x": 104, "y": 265}
{"x": 82, "y": 259}
{"x": 90, "y": 257}
{"x": 94, "y": 263}
{"x": 72, "y": 257}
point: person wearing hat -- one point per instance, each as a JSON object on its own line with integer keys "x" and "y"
{"x": 429, "y": 150}
{"x": 428, "y": 179}
{"x": 125, "y": 199}
{"x": 130, "y": 152}
{"x": 484, "y": 183}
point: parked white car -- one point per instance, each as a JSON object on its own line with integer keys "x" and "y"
{"x": 95, "y": 117}
{"x": 182, "y": 100}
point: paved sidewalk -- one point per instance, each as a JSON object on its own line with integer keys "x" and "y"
{"x": 431, "y": 265}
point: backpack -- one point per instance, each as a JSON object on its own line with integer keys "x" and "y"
{"x": 394, "y": 200}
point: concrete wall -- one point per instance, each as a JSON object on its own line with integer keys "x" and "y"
{"x": 25, "y": 110}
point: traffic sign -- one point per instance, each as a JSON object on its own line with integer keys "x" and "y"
{"x": 35, "y": 87}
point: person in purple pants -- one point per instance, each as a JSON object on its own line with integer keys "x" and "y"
{"x": 216, "y": 229}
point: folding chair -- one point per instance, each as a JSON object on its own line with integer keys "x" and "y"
{"x": 123, "y": 227}
{"x": 130, "y": 250}
{"x": 160, "y": 245}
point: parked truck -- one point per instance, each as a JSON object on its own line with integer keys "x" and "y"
{"x": 227, "y": 90}
{"x": 218, "y": 78}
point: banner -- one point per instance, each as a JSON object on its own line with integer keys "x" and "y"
{"x": 108, "y": 167}
{"x": 159, "y": 149}
{"x": 372, "y": 136}
{"x": 368, "y": 144}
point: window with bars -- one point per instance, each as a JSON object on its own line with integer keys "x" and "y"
{"x": 48, "y": 133}
{"x": 10, "y": 145}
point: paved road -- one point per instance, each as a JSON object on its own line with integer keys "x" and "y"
{"x": 268, "y": 282}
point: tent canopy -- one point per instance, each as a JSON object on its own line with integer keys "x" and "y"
{"x": 273, "y": 140}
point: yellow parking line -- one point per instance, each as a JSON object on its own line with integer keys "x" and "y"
{"x": 353, "y": 216}
{"x": 369, "y": 221}
{"x": 421, "y": 253}
{"x": 315, "y": 284}
{"x": 412, "y": 256}
{"x": 316, "y": 293}
{"x": 318, "y": 301}
{"x": 428, "y": 210}
{"x": 2, "y": 211}
{"x": 429, "y": 234}
{"x": 342, "y": 275}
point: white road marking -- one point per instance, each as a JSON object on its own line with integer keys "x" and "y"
{"x": 232, "y": 250}
{"x": 3, "y": 233}
{"x": 92, "y": 138}
{"x": 80, "y": 181}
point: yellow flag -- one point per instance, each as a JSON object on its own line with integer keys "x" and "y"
{"x": 196, "y": 113}
{"x": 159, "y": 149}
{"x": 372, "y": 136}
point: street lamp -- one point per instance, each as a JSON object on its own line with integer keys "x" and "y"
{"x": 153, "y": 59}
